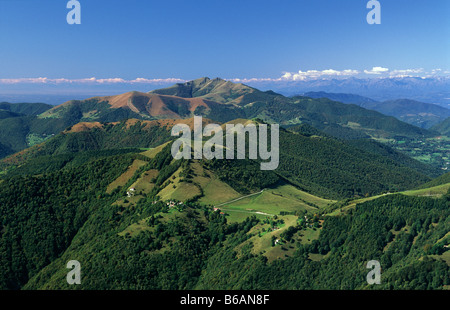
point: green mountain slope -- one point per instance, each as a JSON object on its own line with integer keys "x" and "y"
{"x": 8, "y": 114}
{"x": 25, "y": 108}
{"x": 19, "y": 131}
{"x": 166, "y": 234}
{"x": 154, "y": 246}
{"x": 19, "y": 127}
{"x": 94, "y": 136}
{"x": 443, "y": 127}
{"x": 393, "y": 230}
{"x": 318, "y": 164}
{"x": 420, "y": 114}
{"x": 331, "y": 168}
{"x": 443, "y": 179}
{"x": 375, "y": 147}
{"x": 424, "y": 115}
{"x": 39, "y": 220}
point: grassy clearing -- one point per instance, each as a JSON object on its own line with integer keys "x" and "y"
{"x": 123, "y": 179}
{"x": 144, "y": 183}
{"x": 352, "y": 204}
{"x": 444, "y": 256}
{"x": 128, "y": 201}
{"x": 273, "y": 201}
{"x": 237, "y": 216}
{"x": 436, "y": 191}
{"x": 292, "y": 192}
{"x": 135, "y": 228}
{"x": 214, "y": 190}
{"x": 317, "y": 257}
{"x": 262, "y": 241}
{"x": 34, "y": 138}
{"x": 151, "y": 153}
{"x": 309, "y": 234}
{"x": 178, "y": 190}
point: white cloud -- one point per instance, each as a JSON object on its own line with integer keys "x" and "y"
{"x": 315, "y": 74}
{"x": 92, "y": 80}
{"x": 332, "y": 73}
{"x": 376, "y": 70}
{"x": 285, "y": 77}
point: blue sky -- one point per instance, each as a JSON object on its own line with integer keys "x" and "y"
{"x": 233, "y": 39}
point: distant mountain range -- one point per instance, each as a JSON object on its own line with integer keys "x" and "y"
{"x": 434, "y": 90}
{"x": 424, "y": 115}
{"x": 431, "y": 90}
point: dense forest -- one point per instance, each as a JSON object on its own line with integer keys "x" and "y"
{"x": 331, "y": 168}
{"x": 39, "y": 215}
{"x": 68, "y": 145}
{"x": 50, "y": 219}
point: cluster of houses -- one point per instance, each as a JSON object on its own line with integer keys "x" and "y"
{"x": 218, "y": 210}
{"x": 131, "y": 192}
{"x": 172, "y": 204}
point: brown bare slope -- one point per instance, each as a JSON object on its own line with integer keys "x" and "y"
{"x": 145, "y": 125}
{"x": 142, "y": 104}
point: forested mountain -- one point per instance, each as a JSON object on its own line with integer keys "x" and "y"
{"x": 330, "y": 168}
{"x": 320, "y": 164}
{"x": 143, "y": 242}
{"x": 443, "y": 127}
{"x": 342, "y": 97}
{"x": 420, "y": 114}
{"x": 424, "y": 115}
{"x": 441, "y": 180}
{"x": 25, "y": 108}
{"x": 16, "y": 122}
{"x": 4, "y": 151}
{"x": 96, "y": 136}
{"x": 273, "y": 107}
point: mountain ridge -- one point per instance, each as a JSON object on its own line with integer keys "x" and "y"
{"x": 216, "y": 99}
